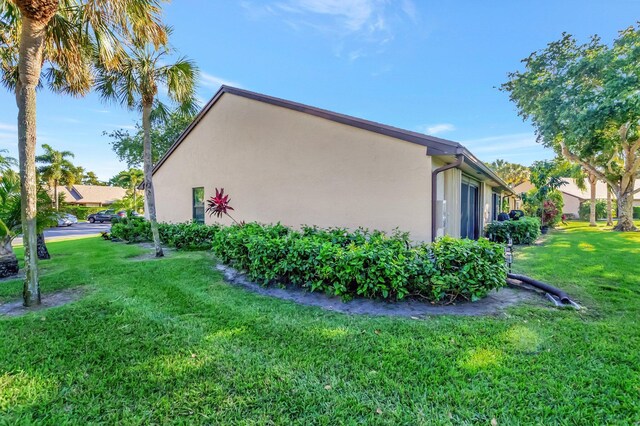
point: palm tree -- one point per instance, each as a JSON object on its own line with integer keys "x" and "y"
{"x": 135, "y": 85}
{"x": 6, "y": 162}
{"x": 64, "y": 36}
{"x": 131, "y": 179}
{"x": 57, "y": 169}
{"x": 10, "y": 219}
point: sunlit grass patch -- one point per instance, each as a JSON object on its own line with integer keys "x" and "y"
{"x": 480, "y": 359}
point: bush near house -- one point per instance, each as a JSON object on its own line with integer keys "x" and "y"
{"x": 636, "y": 212}
{"x": 585, "y": 210}
{"x": 183, "y": 236}
{"x": 340, "y": 262}
{"x": 553, "y": 206}
{"x": 523, "y": 231}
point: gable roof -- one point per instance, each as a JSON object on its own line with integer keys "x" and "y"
{"x": 571, "y": 188}
{"x": 92, "y": 194}
{"x": 435, "y": 146}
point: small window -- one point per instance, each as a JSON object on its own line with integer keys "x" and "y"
{"x": 198, "y": 205}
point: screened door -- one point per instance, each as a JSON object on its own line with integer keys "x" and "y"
{"x": 469, "y": 204}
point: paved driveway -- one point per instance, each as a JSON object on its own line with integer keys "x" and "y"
{"x": 76, "y": 230}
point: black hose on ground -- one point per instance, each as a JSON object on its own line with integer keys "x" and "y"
{"x": 564, "y": 297}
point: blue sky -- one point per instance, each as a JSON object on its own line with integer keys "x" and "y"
{"x": 429, "y": 66}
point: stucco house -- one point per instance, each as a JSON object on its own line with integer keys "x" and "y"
{"x": 91, "y": 195}
{"x": 573, "y": 196}
{"x": 282, "y": 161}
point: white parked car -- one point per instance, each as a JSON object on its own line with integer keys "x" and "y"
{"x": 67, "y": 220}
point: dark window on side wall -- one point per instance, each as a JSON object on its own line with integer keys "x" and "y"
{"x": 198, "y": 205}
{"x": 496, "y": 208}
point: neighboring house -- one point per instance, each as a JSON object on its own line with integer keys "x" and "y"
{"x": 282, "y": 161}
{"x": 573, "y": 196}
{"x": 91, "y": 195}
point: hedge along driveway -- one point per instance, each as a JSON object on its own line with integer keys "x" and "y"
{"x": 167, "y": 341}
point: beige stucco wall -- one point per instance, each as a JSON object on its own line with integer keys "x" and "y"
{"x": 571, "y": 204}
{"x": 280, "y": 165}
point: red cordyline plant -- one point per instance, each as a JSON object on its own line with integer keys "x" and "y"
{"x": 219, "y": 205}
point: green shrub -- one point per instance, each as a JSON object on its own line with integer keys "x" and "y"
{"x": 523, "y": 231}
{"x": 363, "y": 263}
{"x": 133, "y": 230}
{"x": 532, "y": 206}
{"x": 466, "y": 268}
{"x": 188, "y": 236}
{"x": 183, "y": 236}
{"x": 585, "y": 210}
{"x": 636, "y": 212}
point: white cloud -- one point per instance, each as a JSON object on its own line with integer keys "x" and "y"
{"x": 354, "y": 15}
{"x": 409, "y": 8}
{"x": 371, "y": 18}
{"x": 8, "y": 127}
{"x": 435, "y": 129}
{"x": 502, "y": 142}
{"x": 215, "y": 82}
{"x": 517, "y": 147}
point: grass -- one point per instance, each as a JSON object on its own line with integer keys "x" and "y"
{"x": 167, "y": 341}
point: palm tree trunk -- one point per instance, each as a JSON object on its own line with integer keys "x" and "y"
{"x": 43, "y": 252}
{"x": 609, "y": 207}
{"x": 8, "y": 260}
{"x": 148, "y": 181}
{"x": 592, "y": 208}
{"x": 29, "y": 65}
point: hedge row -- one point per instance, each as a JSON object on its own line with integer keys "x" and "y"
{"x": 522, "y": 231}
{"x": 183, "y": 236}
{"x": 362, "y": 263}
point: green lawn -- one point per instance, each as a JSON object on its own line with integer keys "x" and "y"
{"x": 168, "y": 342}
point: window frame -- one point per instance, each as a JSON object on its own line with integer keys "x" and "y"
{"x": 196, "y": 215}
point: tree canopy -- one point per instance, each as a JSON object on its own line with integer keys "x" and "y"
{"x": 128, "y": 146}
{"x": 583, "y": 101}
{"x": 512, "y": 173}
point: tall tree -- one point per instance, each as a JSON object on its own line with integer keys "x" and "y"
{"x": 10, "y": 216}
{"x": 56, "y": 169}
{"x": 90, "y": 178}
{"x": 583, "y": 102}
{"x": 64, "y": 37}
{"x": 135, "y": 85}
{"x": 130, "y": 179}
{"x": 164, "y": 132}
{"x": 512, "y": 173}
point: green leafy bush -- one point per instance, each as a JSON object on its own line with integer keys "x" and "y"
{"x": 340, "y": 262}
{"x": 363, "y": 263}
{"x": 532, "y": 206}
{"x": 636, "y": 212}
{"x": 188, "y": 236}
{"x": 466, "y": 268}
{"x": 585, "y": 210}
{"x": 523, "y": 231}
{"x": 183, "y": 236}
{"x": 134, "y": 230}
